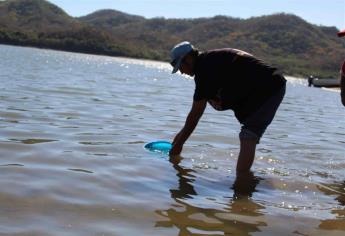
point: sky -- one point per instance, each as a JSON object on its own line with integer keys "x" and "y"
{"x": 319, "y": 12}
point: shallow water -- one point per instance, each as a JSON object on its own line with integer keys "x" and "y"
{"x": 73, "y": 127}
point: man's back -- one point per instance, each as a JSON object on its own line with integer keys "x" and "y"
{"x": 240, "y": 80}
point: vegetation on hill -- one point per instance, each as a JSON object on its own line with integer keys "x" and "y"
{"x": 287, "y": 41}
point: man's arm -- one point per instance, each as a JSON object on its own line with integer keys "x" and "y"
{"x": 192, "y": 120}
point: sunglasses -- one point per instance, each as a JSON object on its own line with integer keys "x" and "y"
{"x": 174, "y": 62}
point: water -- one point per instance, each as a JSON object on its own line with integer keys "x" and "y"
{"x": 73, "y": 127}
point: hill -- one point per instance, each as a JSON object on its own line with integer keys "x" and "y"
{"x": 110, "y": 18}
{"x": 34, "y": 15}
{"x": 39, "y": 23}
{"x": 287, "y": 41}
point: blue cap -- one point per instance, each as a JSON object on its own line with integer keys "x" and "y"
{"x": 178, "y": 53}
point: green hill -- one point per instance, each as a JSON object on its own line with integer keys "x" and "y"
{"x": 287, "y": 41}
{"x": 110, "y": 18}
{"x": 34, "y": 15}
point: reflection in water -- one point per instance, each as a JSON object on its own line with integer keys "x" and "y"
{"x": 337, "y": 190}
{"x": 186, "y": 178}
{"x": 245, "y": 185}
{"x": 239, "y": 217}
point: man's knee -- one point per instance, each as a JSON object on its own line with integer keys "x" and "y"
{"x": 247, "y": 134}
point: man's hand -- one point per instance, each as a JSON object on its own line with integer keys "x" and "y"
{"x": 175, "y": 150}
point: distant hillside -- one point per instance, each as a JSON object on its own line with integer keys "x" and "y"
{"x": 34, "y": 15}
{"x": 287, "y": 41}
{"x": 110, "y": 18}
{"x": 41, "y": 24}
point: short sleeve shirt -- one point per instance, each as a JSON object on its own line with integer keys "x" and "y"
{"x": 240, "y": 80}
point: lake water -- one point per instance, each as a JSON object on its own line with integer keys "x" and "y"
{"x": 73, "y": 127}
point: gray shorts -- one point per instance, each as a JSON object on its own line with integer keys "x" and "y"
{"x": 255, "y": 125}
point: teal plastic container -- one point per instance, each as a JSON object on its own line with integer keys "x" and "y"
{"x": 159, "y": 146}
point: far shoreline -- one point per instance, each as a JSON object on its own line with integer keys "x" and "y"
{"x": 80, "y": 52}
{"x": 289, "y": 77}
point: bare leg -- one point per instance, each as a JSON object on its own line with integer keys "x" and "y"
{"x": 246, "y": 156}
{"x": 342, "y": 89}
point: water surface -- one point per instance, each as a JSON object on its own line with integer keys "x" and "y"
{"x": 73, "y": 127}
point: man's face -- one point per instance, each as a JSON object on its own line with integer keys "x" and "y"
{"x": 187, "y": 66}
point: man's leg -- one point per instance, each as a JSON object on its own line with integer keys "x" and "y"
{"x": 246, "y": 155}
{"x": 254, "y": 127}
{"x": 342, "y": 87}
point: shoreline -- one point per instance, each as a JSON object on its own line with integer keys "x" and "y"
{"x": 80, "y": 52}
{"x": 288, "y": 77}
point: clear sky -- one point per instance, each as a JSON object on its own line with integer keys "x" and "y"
{"x": 319, "y": 12}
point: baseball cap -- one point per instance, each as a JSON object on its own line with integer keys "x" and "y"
{"x": 178, "y": 53}
{"x": 341, "y": 33}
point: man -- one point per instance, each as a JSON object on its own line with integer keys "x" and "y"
{"x": 342, "y": 75}
{"x": 230, "y": 79}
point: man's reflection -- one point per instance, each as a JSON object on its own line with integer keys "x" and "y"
{"x": 192, "y": 220}
{"x": 244, "y": 187}
{"x": 245, "y": 184}
{"x": 337, "y": 190}
{"x": 185, "y": 188}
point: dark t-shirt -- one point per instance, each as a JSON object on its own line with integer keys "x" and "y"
{"x": 242, "y": 82}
